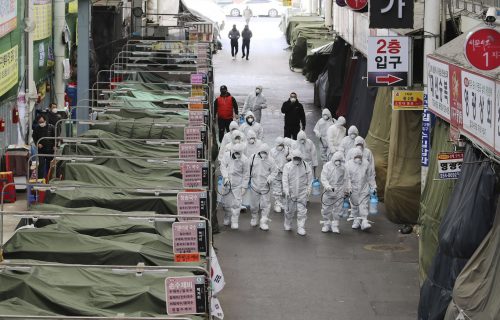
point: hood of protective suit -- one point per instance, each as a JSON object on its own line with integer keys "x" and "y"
{"x": 279, "y": 140}
{"x": 357, "y": 153}
{"x": 263, "y": 148}
{"x": 259, "y": 87}
{"x": 341, "y": 121}
{"x": 235, "y": 134}
{"x": 326, "y": 112}
{"x": 233, "y": 126}
{"x": 238, "y": 147}
{"x": 338, "y": 156}
{"x": 251, "y": 134}
{"x": 359, "y": 140}
{"x": 249, "y": 114}
{"x": 353, "y": 130}
{"x": 301, "y": 135}
{"x": 288, "y": 142}
{"x": 296, "y": 154}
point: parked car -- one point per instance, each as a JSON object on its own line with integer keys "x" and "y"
{"x": 271, "y": 8}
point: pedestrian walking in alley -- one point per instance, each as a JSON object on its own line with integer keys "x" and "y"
{"x": 255, "y": 102}
{"x": 234, "y": 35}
{"x": 45, "y": 146}
{"x": 226, "y": 109}
{"x": 295, "y": 117}
{"x": 321, "y": 129}
{"x": 246, "y": 34}
{"x": 247, "y": 14}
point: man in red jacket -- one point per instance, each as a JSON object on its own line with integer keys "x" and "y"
{"x": 226, "y": 109}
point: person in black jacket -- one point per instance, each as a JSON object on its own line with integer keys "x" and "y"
{"x": 246, "y": 34}
{"x": 295, "y": 117}
{"x": 45, "y": 146}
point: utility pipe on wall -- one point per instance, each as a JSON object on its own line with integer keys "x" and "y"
{"x": 329, "y": 13}
{"x": 59, "y": 50}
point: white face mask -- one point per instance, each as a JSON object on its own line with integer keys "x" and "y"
{"x": 303, "y": 141}
{"x": 54, "y": 110}
{"x": 353, "y": 136}
{"x": 296, "y": 162}
{"x": 325, "y": 117}
{"x": 251, "y": 140}
{"x": 358, "y": 160}
{"x": 337, "y": 163}
{"x": 279, "y": 148}
{"x": 263, "y": 155}
{"x": 360, "y": 147}
{"x": 257, "y": 91}
{"x": 250, "y": 120}
{"x": 43, "y": 124}
{"x": 237, "y": 156}
{"x": 293, "y": 100}
{"x": 237, "y": 140}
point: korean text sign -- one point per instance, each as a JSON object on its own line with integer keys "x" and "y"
{"x": 450, "y": 164}
{"x": 389, "y": 61}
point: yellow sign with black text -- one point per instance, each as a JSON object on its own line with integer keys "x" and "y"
{"x": 407, "y": 100}
{"x": 9, "y": 69}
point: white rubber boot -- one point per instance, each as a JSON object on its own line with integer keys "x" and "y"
{"x": 287, "y": 224}
{"x": 255, "y": 220}
{"x": 326, "y": 226}
{"x": 365, "y": 225}
{"x": 335, "y": 226}
{"x": 356, "y": 224}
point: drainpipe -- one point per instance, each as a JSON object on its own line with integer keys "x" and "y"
{"x": 59, "y": 51}
{"x": 31, "y": 86}
{"x": 328, "y": 14}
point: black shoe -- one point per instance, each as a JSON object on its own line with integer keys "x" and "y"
{"x": 247, "y": 58}
{"x": 243, "y": 56}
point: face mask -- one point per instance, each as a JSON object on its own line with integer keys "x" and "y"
{"x": 250, "y": 120}
{"x": 360, "y": 147}
{"x": 357, "y": 160}
{"x": 237, "y": 140}
{"x": 251, "y": 140}
{"x": 257, "y": 91}
{"x": 337, "y": 162}
{"x": 280, "y": 148}
{"x": 353, "y": 136}
{"x": 326, "y": 117}
{"x": 43, "y": 124}
{"x": 54, "y": 110}
{"x": 293, "y": 100}
{"x": 296, "y": 162}
{"x": 263, "y": 155}
{"x": 236, "y": 156}
{"x": 223, "y": 91}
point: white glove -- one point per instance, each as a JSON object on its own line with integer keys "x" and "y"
{"x": 309, "y": 189}
{"x": 318, "y": 135}
{"x": 269, "y": 180}
{"x": 329, "y": 188}
{"x": 243, "y": 191}
{"x": 226, "y": 180}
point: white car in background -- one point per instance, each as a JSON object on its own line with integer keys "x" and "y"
{"x": 271, "y": 8}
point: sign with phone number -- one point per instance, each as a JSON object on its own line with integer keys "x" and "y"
{"x": 450, "y": 164}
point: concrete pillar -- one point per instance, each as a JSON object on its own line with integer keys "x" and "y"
{"x": 59, "y": 51}
{"x": 328, "y": 13}
{"x": 84, "y": 10}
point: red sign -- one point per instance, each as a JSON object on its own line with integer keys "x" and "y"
{"x": 482, "y": 48}
{"x": 388, "y": 79}
{"x": 356, "y": 4}
{"x": 455, "y": 83}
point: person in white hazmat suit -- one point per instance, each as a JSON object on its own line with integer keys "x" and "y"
{"x": 234, "y": 169}
{"x": 297, "y": 179}
{"x": 348, "y": 141}
{"x": 227, "y": 136}
{"x": 362, "y": 183}
{"x": 335, "y": 180}
{"x": 280, "y": 154}
{"x": 263, "y": 171}
{"x": 250, "y": 123}
{"x": 335, "y": 135}
{"x": 308, "y": 150}
{"x": 253, "y": 144}
{"x": 320, "y": 130}
{"x": 236, "y": 137}
{"x": 255, "y": 102}
{"x": 360, "y": 144}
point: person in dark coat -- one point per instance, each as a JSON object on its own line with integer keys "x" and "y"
{"x": 45, "y": 146}
{"x": 234, "y": 35}
{"x": 246, "y": 34}
{"x": 53, "y": 118}
{"x": 295, "y": 117}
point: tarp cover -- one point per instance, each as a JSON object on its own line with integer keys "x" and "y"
{"x": 402, "y": 190}
{"x": 477, "y": 289}
{"x": 378, "y": 137}
{"x": 467, "y": 221}
{"x": 78, "y": 291}
{"x": 361, "y": 101}
{"x": 296, "y": 20}
{"x": 434, "y": 201}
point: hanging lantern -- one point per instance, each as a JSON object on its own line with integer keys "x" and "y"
{"x": 2, "y": 125}
{"x": 15, "y": 115}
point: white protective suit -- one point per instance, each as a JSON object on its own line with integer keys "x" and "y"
{"x": 348, "y": 141}
{"x": 359, "y": 143}
{"x": 252, "y": 144}
{"x": 335, "y": 181}
{"x": 236, "y": 137}
{"x": 263, "y": 171}
{"x": 362, "y": 182}
{"x": 307, "y": 148}
{"x": 321, "y": 129}
{"x": 255, "y": 126}
{"x": 280, "y": 154}
{"x": 255, "y": 102}
{"x": 227, "y": 136}
{"x": 235, "y": 173}
{"x": 335, "y": 135}
{"x": 297, "y": 180}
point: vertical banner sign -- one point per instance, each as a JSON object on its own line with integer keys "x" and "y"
{"x": 42, "y": 10}
{"x": 186, "y": 295}
{"x": 450, "y": 165}
{"x": 478, "y": 101}
{"x": 9, "y": 70}
{"x": 217, "y": 277}
{"x": 438, "y": 84}
{"x": 426, "y": 126}
{"x": 192, "y": 204}
{"x": 189, "y": 240}
{"x": 8, "y": 16}
{"x": 497, "y": 117}
{"x": 389, "y": 61}
{"x": 455, "y": 81}
{"x": 391, "y": 14}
